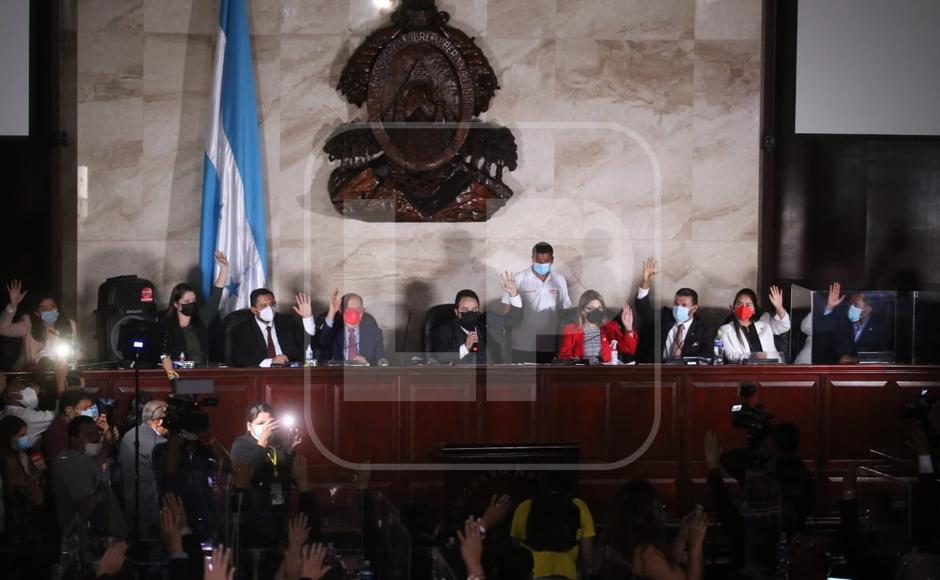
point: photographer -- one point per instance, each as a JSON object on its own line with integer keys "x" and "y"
{"x": 267, "y": 473}
{"x": 190, "y": 462}
{"x": 151, "y": 433}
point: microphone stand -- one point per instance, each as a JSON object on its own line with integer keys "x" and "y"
{"x": 139, "y": 410}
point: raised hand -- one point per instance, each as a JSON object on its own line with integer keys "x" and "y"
{"x": 16, "y": 292}
{"x": 312, "y": 566}
{"x": 335, "y": 303}
{"x": 649, "y": 272}
{"x": 508, "y": 282}
{"x": 697, "y": 529}
{"x": 219, "y": 565}
{"x": 471, "y": 546}
{"x": 112, "y": 560}
{"x": 222, "y": 262}
{"x": 776, "y": 298}
{"x": 835, "y": 296}
{"x": 174, "y": 505}
{"x": 496, "y": 512}
{"x": 626, "y": 317}
{"x": 303, "y": 308}
{"x": 169, "y": 531}
{"x": 297, "y": 531}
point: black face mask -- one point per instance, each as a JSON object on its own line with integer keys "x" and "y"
{"x": 188, "y": 309}
{"x": 596, "y": 317}
{"x": 469, "y": 320}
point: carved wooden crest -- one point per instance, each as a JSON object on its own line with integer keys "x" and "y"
{"x": 423, "y": 154}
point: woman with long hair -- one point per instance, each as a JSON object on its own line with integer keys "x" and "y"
{"x": 185, "y": 326}
{"x": 636, "y": 547}
{"x": 21, "y": 484}
{"x": 751, "y": 332}
{"x": 42, "y": 329}
{"x": 592, "y": 335}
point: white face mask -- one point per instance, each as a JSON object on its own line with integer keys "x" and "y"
{"x": 266, "y": 314}
{"x": 257, "y": 430}
{"x": 29, "y": 398}
{"x": 92, "y": 449}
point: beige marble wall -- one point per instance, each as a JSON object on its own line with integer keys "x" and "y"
{"x": 637, "y": 123}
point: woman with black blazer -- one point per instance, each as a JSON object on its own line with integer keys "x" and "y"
{"x": 184, "y": 327}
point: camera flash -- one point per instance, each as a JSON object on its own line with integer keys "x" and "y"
{"x": 63, "y": 351}
{"x": 289, "y": 421}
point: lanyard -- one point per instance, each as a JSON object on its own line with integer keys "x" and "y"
{"x": 273, "y": 459}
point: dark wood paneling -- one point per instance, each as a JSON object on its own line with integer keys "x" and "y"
{"x": 400, "y": 416}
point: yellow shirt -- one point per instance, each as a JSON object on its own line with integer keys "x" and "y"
{"x": 554, "y": 563}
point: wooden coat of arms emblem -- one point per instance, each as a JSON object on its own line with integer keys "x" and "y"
{"x": 423, "y": 154}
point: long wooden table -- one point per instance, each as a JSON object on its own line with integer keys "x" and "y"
{"x": 631, "y": 421}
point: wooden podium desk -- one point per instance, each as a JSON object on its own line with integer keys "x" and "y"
{"x": 642, "y": 421}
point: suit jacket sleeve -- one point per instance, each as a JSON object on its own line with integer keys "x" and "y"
{"x": 378, "y": 349}
{"x": 326, "y": 335}
{"x": 626, "y": 343}
{"x": 570, "y": 339}
{"x": 706, "y": 342}
{"x": 445, "y": 340}
{"x": 242, "y": 351}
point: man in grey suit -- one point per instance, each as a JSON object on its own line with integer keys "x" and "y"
{"x": 152, "y": 433}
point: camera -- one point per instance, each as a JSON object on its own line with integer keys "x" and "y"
{"x": 919, "y": 409}
{"x": 753, "y": 418}
{"x": 184, "y": 410}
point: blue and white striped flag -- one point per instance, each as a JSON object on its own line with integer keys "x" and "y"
{"x": 233, "y": 216}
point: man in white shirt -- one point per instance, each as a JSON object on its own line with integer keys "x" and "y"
{"x": 21, "y": 399}
{"x": 541, "y": 293}
{"x": 683, "y": 334}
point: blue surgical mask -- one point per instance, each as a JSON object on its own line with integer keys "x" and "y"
{"x": 855, "y": 313}
{"x": 91, "y": 412}
{"x": 22, "y": 444}
{"x": 50, "y": 316}
{"x": 257, "y": 430}
{"x": 542, "y": 269}
{"x": 680, "y": 313}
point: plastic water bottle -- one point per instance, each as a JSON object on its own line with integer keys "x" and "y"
{"x": 614, "y": 355}
{"x": 308, "y": 356}
{"x": 366, "y": 573}
{"x": 719, "y": 358}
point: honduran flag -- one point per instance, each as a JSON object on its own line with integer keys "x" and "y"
{"x": 233, "y": 216}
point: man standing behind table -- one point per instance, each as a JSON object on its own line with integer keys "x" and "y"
{"x": 683, "y": 334}
{"x": 541, "y": 293}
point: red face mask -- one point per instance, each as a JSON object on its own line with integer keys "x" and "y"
{"x": 352, "y": 317}
{"x": 744, "y": 312}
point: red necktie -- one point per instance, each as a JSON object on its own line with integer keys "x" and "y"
{"x": 351, "y": 350}
{"x": 677, "y": 343}
{"x": 272, "y": 352}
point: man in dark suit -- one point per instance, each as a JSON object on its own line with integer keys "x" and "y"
{"x": 268, "y": 338}
{"x": 465, "y": 335}
{"x": 353, "y": 337}
{"x": 846, "y": 329}
{"x": 683, "y": 334}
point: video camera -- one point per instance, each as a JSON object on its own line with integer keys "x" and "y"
{"x": 754, "y": 418}
{"x": 919, "y": 409}
{"x": 185, "y": 407}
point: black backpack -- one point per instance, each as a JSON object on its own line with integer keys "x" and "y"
{"x": 553, "y": 523}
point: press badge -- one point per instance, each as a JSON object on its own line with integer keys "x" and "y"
{"x": 277, "y": 494}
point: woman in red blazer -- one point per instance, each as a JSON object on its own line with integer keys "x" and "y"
{"x": 590, "y": 337}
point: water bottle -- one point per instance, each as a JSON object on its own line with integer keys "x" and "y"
{"x": 614, "y": 355}
{"x": 308, "y": 356}
{"x": 366, "y": 573}
{"x": 719, "y": 353}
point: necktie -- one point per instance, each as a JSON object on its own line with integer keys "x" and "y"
{"x": 677, "y": 343}
{"x": 272, "y": 352}
{"x": 351, "y": 350}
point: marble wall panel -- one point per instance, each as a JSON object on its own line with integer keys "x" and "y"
{"x": 591, "y": 90}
